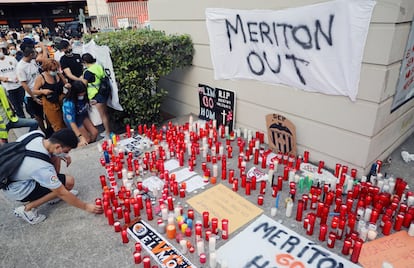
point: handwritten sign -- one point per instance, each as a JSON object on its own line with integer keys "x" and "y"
{"x": 317, "y": 48}
{"x": 223, "y": 203}
{"x": 159, "y": 248}
{"x": 217, "y": 104}
{"x": 405, "y": 86}
{"x": 282, "y": 134}
{"x": 396, "y": 249}
{"x": 266, "y": 243}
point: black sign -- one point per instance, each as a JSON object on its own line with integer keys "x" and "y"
{"x": 217, "y": 104}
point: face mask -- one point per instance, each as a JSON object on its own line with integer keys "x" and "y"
{"x": 81, "y": 97}
{"x": 61, "y": 155}
{"x": 53, "y": 73}
{"x": 76, "y": 42}
{"x": 38, "y": 49}
{"x": 13, "y": 52}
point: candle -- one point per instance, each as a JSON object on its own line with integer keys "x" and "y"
{"x": 260, "y": 199}
{"x": 347, "y": 247}
{"x": 322, "y": 232}
{"x": 212, "y": 244}
{"x": 289, "y": 207}
{"x": 331, "y": 240}
{"x": 356, "y": 251}
{"x": 124, "y": 236}
{"x": 183, "y": 244}
{"x": 137, "y": 258}
{"x": 224, "y": 229}
{"x": 205, "y": 219}
{"x": 117, "y": 226}
{"x": 411, "y": 230}
{"x": 299, "y": 210}
{"x": 273, "y": 211}
{"x": 110, "y": 216}
{"x": 147, "y": 262}
{"x": 200, "y": 248}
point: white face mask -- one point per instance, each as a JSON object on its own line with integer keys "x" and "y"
{"x": 13, "y": 52}
{"x": 81, "y": 97}
{"x": 61, "y": 155}
{"x": 53, "y": 73}
{"x": 38, "y": 49}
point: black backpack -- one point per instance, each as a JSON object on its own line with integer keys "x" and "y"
{"x": 12, "y": 155}
{"x": 105, "y": 88}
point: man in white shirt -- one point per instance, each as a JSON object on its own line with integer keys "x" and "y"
{"x": 37, "y": 181}
{"x": 10, "y": 83}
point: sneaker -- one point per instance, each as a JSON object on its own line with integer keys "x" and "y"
{"x": 31, "y": 216}
{"x": 103, "y": 134}
{"x": 57, "y": 199}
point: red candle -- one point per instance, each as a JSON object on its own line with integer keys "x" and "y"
{"x": 103, "y": 180}
{"x": 399, "y": 221}
{"x": 150, "y": 217}
{"x": 322, "y": 232}
{"x": 235, "y": 185}
{"x": 170, "y": 203}
{"x": 262, "y": 187}
{"x": 331, "y": 240}
{"x": 214, "y": 225}
{"x": 247, "y": 188}
{"x": 205, "y": 219}
{"x": 386, "y": 230}
{"x": 347, "y": 247}
{"x": 260, "y": 200}
{"x": 117, "y": 226}
{"x": 124, "y": 236}
{"x": 146, "y": 262}
{"x": 356, "y": 251}
{"x": 137, "y": 258}
{"x": 190, "y": 214}
{"x": 280, "y": 183}
{"x": 320, "y": 166}
{"x": 127, "y": 218}
{"x": 224, "y": 229}
{"x": 299, "y": 210}
{"x": 110, "y": 216}
{"x": 305, "y": 156}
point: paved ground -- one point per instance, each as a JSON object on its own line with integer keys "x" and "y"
{"x": 70, "y": 237}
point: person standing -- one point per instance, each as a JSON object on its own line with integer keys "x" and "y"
{"x": 92, "y": 77}
{"x": 27, "y": 71}
{"x": 49, "y": 84}
{"x": 37, "y": 182}
{"x": 75, "y": 113}
{"x": 9, "y": 81}
{"x": 71, "y": 63}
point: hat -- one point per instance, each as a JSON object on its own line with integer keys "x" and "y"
{"x": 29, "y": 41}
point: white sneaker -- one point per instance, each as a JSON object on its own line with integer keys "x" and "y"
{"x": 31, "y": 216}
{"x": 57, "y": 199}
{"x": 103, "y": 134}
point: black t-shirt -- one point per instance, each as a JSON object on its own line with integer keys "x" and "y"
{"x": 74, "y": 63}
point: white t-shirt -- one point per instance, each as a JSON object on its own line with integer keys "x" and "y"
{"x": 8, "y": 69}
{"x": 27, "y": 72}
{"x": 31, "y": 171}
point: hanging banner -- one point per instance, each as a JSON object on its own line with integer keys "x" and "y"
{"x": 267, "y": 243}
{"x": 102, "y": 54}
{"x": 217, "y": 104}
{"x": 405, "y": 86}
{"x": 316, "y": 48}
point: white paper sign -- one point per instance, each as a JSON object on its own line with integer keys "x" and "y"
{"x": 266, "y": 243}
{"x": 316, "y": 48}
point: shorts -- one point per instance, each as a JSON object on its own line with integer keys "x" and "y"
{"x": 40, "y": 191}
{"x": 100, "y": 98}
{"x": 33, "y": 108}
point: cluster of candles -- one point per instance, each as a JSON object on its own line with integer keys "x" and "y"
{"x": 357, "y": 207}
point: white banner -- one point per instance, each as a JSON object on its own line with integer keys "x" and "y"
{"x": 102, "y": 54}
{"x": 316, "y": 48}
{"x": 405, "y": 86}
{"x": 267, "y": 243}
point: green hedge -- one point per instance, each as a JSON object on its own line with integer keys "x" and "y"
{"x": 140, "y": 58}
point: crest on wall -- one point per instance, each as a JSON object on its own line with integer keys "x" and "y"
{"x": 281, "y": 134}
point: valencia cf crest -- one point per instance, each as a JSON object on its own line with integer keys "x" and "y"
{"x": 281, "y": 134}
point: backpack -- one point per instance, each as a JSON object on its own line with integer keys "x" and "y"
{"x": 105, "y": 88}
{"x": 12, "y": 155}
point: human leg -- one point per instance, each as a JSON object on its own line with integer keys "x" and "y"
{"x": 91, "y": 130}
{"x": 23, "y": 122}
{"x": 53, "y": 112}
{"x": 16, "y": 97}
{"x": 36, "y": 111}
{"x": 104, "y": 116}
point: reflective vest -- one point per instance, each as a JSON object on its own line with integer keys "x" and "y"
{"x": 9, "y": 112}
{"x": 99, "y": 73}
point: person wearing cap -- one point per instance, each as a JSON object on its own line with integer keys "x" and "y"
{"x": 76, "y": 113}
{"x": 71, "y": 63}
{"x": 37, "y": 182}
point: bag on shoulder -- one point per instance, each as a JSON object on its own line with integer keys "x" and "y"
{"x": 105, "y": 88}
{"x": 12, "y": 155}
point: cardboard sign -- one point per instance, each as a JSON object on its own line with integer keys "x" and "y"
{"x": 160, "y": 249}
{"x": 217, "y": 104}
{"x": 281, "y": 134}
{"x": 267, "y": 243}
{"x": 222, "y": 203}
{"x": 396, "y": 249}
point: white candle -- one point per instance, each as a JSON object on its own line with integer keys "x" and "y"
{"x": 124, "y": 173}
{"x": 411, "y": 230}
{"x": 164, "y": 213}
{"x": 273, "y": 211}
{"x": 183, "y": 244}
{"x": 215, "y": 123}
{"x": 170, "y": 219}
{"x": 200, "y": 247}
{"x": 221, "y": 150}
{"x": 367, "y": 214}
{"x": 289, "y": 208}
{"x": 226, "y": 131}
{"x": 410, "y": 200}
{"x": 212, "y": 244}
{"x": 372, "y": 234}
{"x": 245, "y": 133}
{"x": 205, "y": 149}
{"x": 238, "y": 132}
{"x": 213, "y": 260}
{"x": 275, "y": 163}
{"x": 363, "y": 233}
{"x": 177, "y": 211}
{"x": 392, "y": 186}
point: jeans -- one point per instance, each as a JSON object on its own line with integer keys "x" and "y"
{"x": 23, "y": 122}
{"x": 16, "y": 97}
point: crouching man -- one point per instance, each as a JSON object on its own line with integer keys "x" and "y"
{"x": 37, "y": 182}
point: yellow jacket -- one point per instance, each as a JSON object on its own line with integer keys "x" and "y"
{"x": 9, "y": 112}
